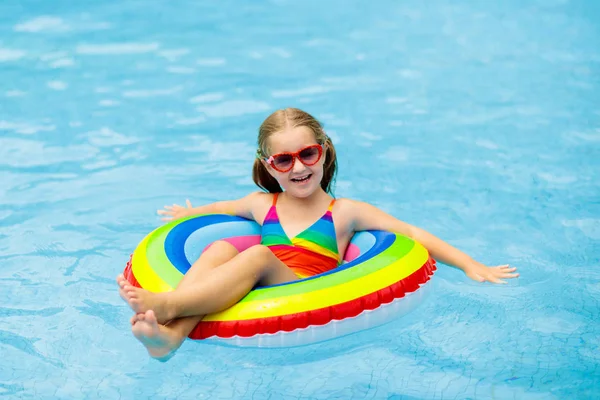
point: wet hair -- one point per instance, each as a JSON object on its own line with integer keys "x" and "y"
{"x": 277, "y": 122}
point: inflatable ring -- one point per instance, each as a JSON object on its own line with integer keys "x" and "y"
{"x": 379, "y": 280}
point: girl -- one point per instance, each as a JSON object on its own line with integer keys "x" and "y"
{"x": 295, "y": 165}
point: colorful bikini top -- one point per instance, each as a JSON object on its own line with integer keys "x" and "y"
{"x": 309, "y": 253}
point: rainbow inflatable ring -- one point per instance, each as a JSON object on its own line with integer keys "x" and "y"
{"x": 379, "y": 280}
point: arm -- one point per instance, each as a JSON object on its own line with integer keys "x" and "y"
{"x": 368, "y": 217}
{"x": 241, "y": 207}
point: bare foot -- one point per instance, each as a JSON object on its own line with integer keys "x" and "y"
{"x": 142, "y": 300}
{"x": 121, "y": 281}
{"x": 160, "y": 340}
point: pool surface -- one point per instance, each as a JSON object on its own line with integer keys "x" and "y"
{"x": 477, "y": 121}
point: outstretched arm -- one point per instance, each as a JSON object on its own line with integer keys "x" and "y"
{"x": 368, "y": 217}
{"x": 241, "y": 207}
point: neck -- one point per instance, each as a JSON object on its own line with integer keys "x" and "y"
{"x": 317, "y": 197}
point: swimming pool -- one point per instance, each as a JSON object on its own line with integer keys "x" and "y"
{"x": 478, "y": 122}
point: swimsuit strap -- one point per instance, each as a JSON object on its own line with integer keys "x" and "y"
{"x": 331, "y": 205}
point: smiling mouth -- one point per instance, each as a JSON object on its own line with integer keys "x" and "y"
{"x": 302, "y": 178}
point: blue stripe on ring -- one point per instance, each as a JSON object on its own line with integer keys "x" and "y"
{"x": 175, "y": 243}
{"x": 175, "y": 240}
{"x": 197, "y": 241}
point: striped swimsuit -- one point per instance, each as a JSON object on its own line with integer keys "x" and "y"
{"x": 309, "y": 253}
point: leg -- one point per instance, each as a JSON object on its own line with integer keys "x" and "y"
{"x": 217, "y": 254}
{"x": 222, "y": 288}
{"x": 162, "y": 341}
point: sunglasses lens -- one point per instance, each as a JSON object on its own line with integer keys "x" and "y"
{"x": 283, "y": 162}
{"x": 310, "y": 155}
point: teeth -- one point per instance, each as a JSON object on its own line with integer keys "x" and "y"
{"x": 303, "y": 178}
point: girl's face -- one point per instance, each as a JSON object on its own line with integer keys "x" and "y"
{"x": 297, "y": 150}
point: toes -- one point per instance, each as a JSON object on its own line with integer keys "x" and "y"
{"x": 120, "y": 281}
{"x": 130, "y": 289}
{"x": 151, "y": 317}
{"x": 135, "y": 306}
{"x": 136, "y": 318}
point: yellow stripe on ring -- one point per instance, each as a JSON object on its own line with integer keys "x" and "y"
{"x": 142, "y": 271}
{"x": 322, "y": 298}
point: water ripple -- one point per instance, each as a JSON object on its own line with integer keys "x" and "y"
{"x": 234, "y": 108}
{"x": 42, "y": 24}
{"x": 7, "y": 55}
{"x": 116, "y": 48}
{"x": 26, "y": 346}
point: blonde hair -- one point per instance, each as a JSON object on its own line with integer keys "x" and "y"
{"x": 292, "y": 118}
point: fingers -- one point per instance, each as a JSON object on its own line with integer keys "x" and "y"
{"x": 504, "y": 271}
{"x": 507, "y": 275}
{"x": 494, "y": 275}
{"x": 505, "y": 268}
{"x": 170, "y": 216}
{"x": 174, "y": 211}
{"x": 172, "y": 207}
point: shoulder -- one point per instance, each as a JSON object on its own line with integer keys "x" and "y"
{"x": 256, "y": 200}
{"x": 347, "y": 206}
{"x": 347, "y": 210}
{"x": 259, "y": 203}
{"x": 259, "y": 198}
{"x": 355, "y": 210}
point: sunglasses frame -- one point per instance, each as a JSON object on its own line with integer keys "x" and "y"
{"x": 295, "y": 155}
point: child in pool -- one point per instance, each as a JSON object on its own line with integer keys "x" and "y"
{"x": 296, "y": 164}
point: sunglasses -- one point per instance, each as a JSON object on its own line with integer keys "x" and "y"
{"x": 284, "y": 162}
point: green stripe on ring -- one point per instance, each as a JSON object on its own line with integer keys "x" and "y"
{"x": 157, "y": 258}
{"x": 397, "y": 250}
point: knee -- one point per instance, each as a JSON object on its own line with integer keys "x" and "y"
{"x": 221, "y": 248}
{"x": 259, "y": 251}
{"x": 222, "y": 245}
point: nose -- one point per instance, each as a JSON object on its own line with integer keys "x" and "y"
{"x": 298, "y": 166}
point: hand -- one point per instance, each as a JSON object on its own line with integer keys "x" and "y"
{"x": 482, "y": 273}
{"x": 176, "y": 211}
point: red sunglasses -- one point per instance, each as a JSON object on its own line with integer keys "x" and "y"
{"x": 284, "y": 162}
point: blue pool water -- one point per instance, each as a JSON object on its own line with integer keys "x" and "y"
{"x": 478, "y": 121}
